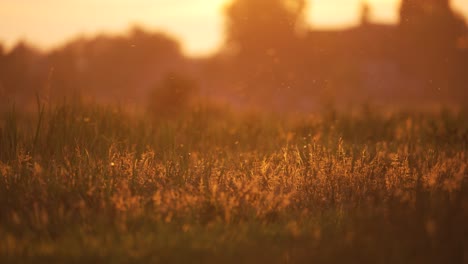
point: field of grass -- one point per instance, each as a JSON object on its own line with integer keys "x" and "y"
{"x": 87, "y": 183}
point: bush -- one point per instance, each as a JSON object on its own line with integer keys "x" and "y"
{"x": 173, "y": 96}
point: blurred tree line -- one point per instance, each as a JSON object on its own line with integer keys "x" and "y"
{"x": 270, "y": 58}
{"x": 103, "y": 68}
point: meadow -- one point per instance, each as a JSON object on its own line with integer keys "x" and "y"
{"x": 90, "y": 183}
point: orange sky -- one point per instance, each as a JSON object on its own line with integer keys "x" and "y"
{"x": 197, "y": 23}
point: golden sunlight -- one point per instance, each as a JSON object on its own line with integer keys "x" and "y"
{"x": 197, "y": 23}
{"x": 213, "y": 131}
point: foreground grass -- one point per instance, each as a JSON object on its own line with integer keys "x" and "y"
{"x": 88, "y": 183}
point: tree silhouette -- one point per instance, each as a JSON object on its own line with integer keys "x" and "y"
{"x": 430, "y": 30}
{"x": 264, "y": 41}
{"x": 21, "y": 71}
{"x": 255, "y": 26}
{"x": 112, "y": 66}
{"x": 431, "y": 20}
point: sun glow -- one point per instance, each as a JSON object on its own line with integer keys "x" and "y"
{"x": 198, "y": 24}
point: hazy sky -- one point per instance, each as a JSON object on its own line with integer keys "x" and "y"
{"x": 197, "y": 23}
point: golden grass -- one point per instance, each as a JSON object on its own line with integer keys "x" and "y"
{"x": 89, "y": 183}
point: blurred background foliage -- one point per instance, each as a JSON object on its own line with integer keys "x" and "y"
{"x": 271, "y": 59}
